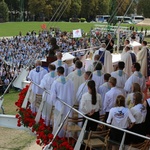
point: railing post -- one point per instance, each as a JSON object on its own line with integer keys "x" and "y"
{"x": 58, "y": 120}
{"x": 80, "y": 138}
{"x": 26, "y": 99}
{"x": 122, "y": 141}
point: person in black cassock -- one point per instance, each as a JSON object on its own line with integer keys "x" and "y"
{"x": 54, "y": 47}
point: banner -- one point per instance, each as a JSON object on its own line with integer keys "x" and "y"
{"x": 77, "y": 33}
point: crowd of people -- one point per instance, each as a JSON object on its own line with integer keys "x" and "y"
{"x": 97, "y": 90}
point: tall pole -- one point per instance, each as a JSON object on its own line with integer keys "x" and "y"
{"x": 22, "y": 10}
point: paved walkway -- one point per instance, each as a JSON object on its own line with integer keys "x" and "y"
{"x": 33, "y": 146}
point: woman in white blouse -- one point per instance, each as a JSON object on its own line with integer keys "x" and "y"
{"x": 90, "y": 105}
{"x": 119, "y": 116}
{"x": 139, "y": 112}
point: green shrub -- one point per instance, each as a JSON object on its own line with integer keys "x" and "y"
{"x": 82, "y": 19}
{"x": 74, "y": 20}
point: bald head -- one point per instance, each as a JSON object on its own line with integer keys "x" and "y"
{"x": 103, "y": 45}
{"x": 59, "y": 55}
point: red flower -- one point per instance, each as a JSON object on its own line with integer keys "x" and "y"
{"x": 44, "y": 133}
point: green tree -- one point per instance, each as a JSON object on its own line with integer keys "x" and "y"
{"x": 103, "y": 7}
{"x": 143, "y": 8}
{"x": 3, "y": 11}
{"x": 37, "y": 8}
{"x": 75, "y": 8}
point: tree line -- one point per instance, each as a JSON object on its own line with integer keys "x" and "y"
{"x": 43, "y": 10}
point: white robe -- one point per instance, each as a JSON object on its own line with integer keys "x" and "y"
{"x": 46, "y": 83}
{"x": 63, "y": 65}
{"x": 37, "y": 77}
{"x": 77, "y": 80}
{"x": 127, "y": 59}
{"x": 134, "y": 78}
{"x": 102, "y": 90}
{"x": 110, "y": 98}
{"x": 81, "y": 90}
{"x": 99, "y": 79}
{"x": 108, "y": 65}
{"x": 64, "y": 92}
{"x": 142, "y": 60}
{"x": 121, "y": 79}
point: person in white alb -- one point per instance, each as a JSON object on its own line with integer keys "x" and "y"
{"x": 105, "y": 58}
{"x": 143, "y": 58}
{"x": 121, "y": 76}
{"x": 59, "y": 63}
{"x": 128, "y": 57}
{"x": 46, "y": 84}
{"x": 98, "y": 75}
{"x": 120, "y": 117}
{"x": 136, "y": 77}
{"x": 61, "y": 89}
{"x": 77, "y": 76}
{"x": 90, "y": 105}
{"x": 36, "y": 75}
{"x": 103, "y": 89}
{"x": 110, "y": 96}
{"x": 139, "y": 113}
{"x": 83, "y": 87}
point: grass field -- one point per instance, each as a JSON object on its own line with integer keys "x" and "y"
{"x": 13, "y": 28}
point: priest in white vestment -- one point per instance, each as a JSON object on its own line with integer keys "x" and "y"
{"x": 121, "y": 76}
{"x": 62, "y": 89}
{"x": 128, "y": 57}
{"x": 36, "y": 75}
{"x": 46, "y": 84}
{"x": 59, "y": 63}
{"x": 77, "y": 76}
{"x": 143, "y": 58}
{"x": 136, "y": 77}
{"x": 105, "y": 58}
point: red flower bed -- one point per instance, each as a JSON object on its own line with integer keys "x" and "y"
{"x": 44, "y": 133}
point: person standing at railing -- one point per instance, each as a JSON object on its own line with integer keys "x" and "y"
{"x": 139, "y": 113}
{"x": 120, "y": 117}
{"x": 46, "y": 84}
{"x": 110, "y": 96}
{"x": 90, "y": 105}
{"x": 61, "y": 89}
{"x": 36, "y": 75}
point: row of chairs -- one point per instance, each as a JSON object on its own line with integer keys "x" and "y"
{"x": 99, "y": 138}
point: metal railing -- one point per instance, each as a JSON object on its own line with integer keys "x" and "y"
{"x": 80, "y": 138}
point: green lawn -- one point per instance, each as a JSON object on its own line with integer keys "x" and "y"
{"x": 13, "y": 28}
{"x": 9, "y": 102}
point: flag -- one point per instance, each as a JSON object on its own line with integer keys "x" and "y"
{"x": 77, "y": 33}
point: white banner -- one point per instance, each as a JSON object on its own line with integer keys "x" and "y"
{"x": 77, "y": 33}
